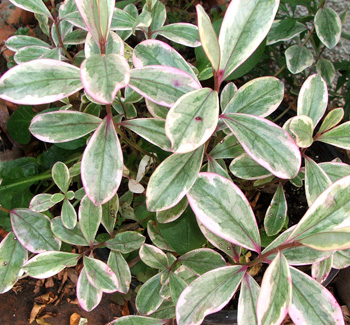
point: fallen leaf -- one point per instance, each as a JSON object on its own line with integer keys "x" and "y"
{"x": 37, "y": 309}
{"x": 72, "y": 275}
{"x": 41, "y": 320}
{"x": 73, "y": 301}
{"x": 47, "y": 298}
{"x": 125, "y": 311}
{"x": 49, "y": 283}
{"x": 74, "y": 319}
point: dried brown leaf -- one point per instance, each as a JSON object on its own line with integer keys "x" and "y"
{"x": 37, "y": 309}
{"x": 74, "y": 319}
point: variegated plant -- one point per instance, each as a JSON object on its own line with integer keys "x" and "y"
{"x": 184, "y": 155}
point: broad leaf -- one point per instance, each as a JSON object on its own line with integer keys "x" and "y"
{"x": 153, "y": 257}
{"x": 36, "y": 6}
{"x": 268, "y": 144}
{"x": 152, "y": 130}
{"x": 12, "y": 256}
{"x": 208, "y": 38}
{"x": 126, "y": 242}
{"x": 156, "y": 237}
{"x": 284, "y": 30}
{"x": 154, "y": 52}
{"x": 137, "y": 320}
{"x": 326, "y": 70}
{"x": 276, "y": 213}
{"x": 42, "y": 81}
{"x": 15, "y": 43}
{"x": 338, "y": 136}
{"x": 259, "y": 97}
{"x": 68, "y": 215}
{"x": 60, "y": 175}
{"x": 313, "y": 98}
{"x": 41, "y": 202}
{"x": 208, "y": 294}
{"x": 88, "y": 296}
{"x": 331, "y": 119}
{"x": 104, "y": 75}
{"x": 298, "y": 58}
{"x": 222, "y": 208}
{"x": 244, "y": 27}
{"x": 229, "y": 147}
{"x": 33, "y": 231}
{"x": 148, "y": 299}
{"x": 30, "y": 53}
{"x": 192, "y": 120}
{"x": 172, "y": 179}
{"x": 182, "y": 33}
{"x": 89, "y": 218}
{"x": 122, "y": 20}
{"x": 173, "y": 213}
{"x": 102, "y": 163}
{"x": 162, "y": 84}
{"x": 247, "y": 301}
{"x": 71, "y": 236}
{"x": 100, "y": 275}
{"x": 304, "y": 310}
{"x": 63, "y": 126}
{"x": 47, "y": 264}
{"x": 301, "y": 128}
{"x": 316, "y": 180}
{"x": 335, "y": 170}
{"x": 328, "y": 27}
{"x": 275, "y": 295}
{"x": 120, "y": 267}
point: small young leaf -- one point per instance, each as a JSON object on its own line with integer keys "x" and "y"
{"x": 68, "y": 215}
{"x": 260, "y": 97}
{"x": 36, "y": 6}
{"x": 192, "y": 120}
{"x": 320, "y": 270}
{"x": 221, "y": 206}
{"x": 248, "y": 298}
{"x": 276, "y": 213}
{"x": 41, "y": 202}
{"x": 153, "y": 257}
{"x": 338, "y": 136}
{"x": 227, "y": 94}
{"x": 182, "y": 33}
{"x": 298, "y": 58}
{"x": 301, "y": 127}
{"x": 121, "y": 269}
{"x": 114, "y": 45}
{"x": 89, "y": 218}
{"x": 102, "y": 163}
{"x": 328, "y": 27}
{"x": 217, "y": 167}
{"x": 172, "y": 179}
{"x": 88, "y": 296}
{"x": 126, "y": 242}
{"x": 109, "y": 213}
{"x": 313, "y": 98}
{"x": 42, "y": 81}
{"x": 100, "y": 275}
{"x": 275, "y": 295}
{"x": 12, "y": 257}
{"x": 60, "y": 175}
{"x": 326, "y": 70}
{"x": 158, "y": 14}
{"x": 33, "y": 231}
{"x": 331, "y": 120}
{"x": 213, "y": 289}
{"x": 47, "y": 264}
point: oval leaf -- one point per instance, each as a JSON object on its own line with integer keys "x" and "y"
{"x": 121, "y": 269}
{"x": 298, "y": 58}
{"x": 126, "y": 242}
{"x": 90, "y": 217}
{"x": 36, "y": 6}
{"x": 331, "y": 119}
{"x": 153, "y": 257}
{"x": 68, "y": 215}
{"x": 301, "y": 128}
{"x": 182, "y": 33}
{"x": 338, "y": 136}
{"x": 60, "y": 175}
{"x": 41, "y": 202}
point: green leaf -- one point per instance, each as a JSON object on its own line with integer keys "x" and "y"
{"x": 157, "y": 111}
{"x": 148, "y": 299}
{"x": 301, "y": 128}
{"x": 100, "y": 275}
{"x": 120, "y": 267}
{"x": 42, "y": 81}
{"x": 172, "y": 179}
{"x": 126, "y": 242}
{"x": 338, "y": 136}
{"x": 158, "y": 16}
{"x": 156, "y": 237}
{"x": 173, "y": 213}
{"x": 177, "y": 285}
{"x": 341, "y": 259}
{"x": 71, "y": 236}
{"x": 153, "y": 130}
{"x": 41, "y": 202}
{"x": 260, "y": 96}
{"x": 60, "y": 175}
{"x": 268, "y": 144}
{"x": 183, "y": 234}
{"x": 89, "y": 218}
{"x": 247, "y": 301}
{"x": 36, "y": 6}
{"x": 68, "y": 215}
{"x": 109, "y": 214}
{"x": 75, "y": 37}
{"x": 320, "y": 270}
{"x": 326, "y": 70}
{"x": 12, "y": 256}
{"x": 154, "y": 52}
{"x": 276, "y": 213}
{"x": 298, "y": 58}
{"x": 217, "y": 167}
{"x": 227, "y": 94}
{"x": 331, "y": 120}
{"x": 63, "y": 126}
{"x": 335, "y": 170}
{"x": 328, "y": 213}
{"x": 97, "y": 17}
{"x": 102, "y": 163}
{"x": 182, "y": 33}
{"x": 192, "y": 120}
{"x": 313, "y": 98}
{"x": 244, "y": 27}
{"x": 208, "y": 294}
{"x": 114, "y": 45}
{"x": 304, "y": 310}
{"x": 153, "y": 257}
{"x": 275, "y": 295}
{"x": 202, "y": 260}
{"x": 30, "y": 53}
{"x": 328, "y": 27}
{"x": 57, "y": 197}
{"x": 316, "y": 180}
{"x": 162, "y": 84}
{"x": 222, "y": 208}
{"x": 246, "y": 168}
{"x": 229, "y": 147}
{"x": 137, "y": 320}
{"x": 208, "y": 38}
{"x": 284, "y": 30}
{"x": 33, "y": 231}
{"x": 88, "y": 296}
{"x": 104, "y": 75}
{"x": 47, "y": 264}
{"x": 15, "y": 43}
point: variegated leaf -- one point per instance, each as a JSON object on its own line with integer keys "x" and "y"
{"x": 320, "y": 270}
{"x": 121, "y": 269}
{"x": 338, "y": 136}
{"x": 153, "y": 257}
{"x": 247, "y": 301}
{"x": 36, "y": 6}
{"x": 71, "y": 236}
{"x": 298, "y": 58}
{"x": 301, "y": 128}
{"x": 89, "y": 218}
{"x": 331, "y": 120}
{"x": 126, "y": 242}
{"x": 182, "y": 33}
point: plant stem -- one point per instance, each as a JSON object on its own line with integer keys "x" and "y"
{"x": 4, "y": 209}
